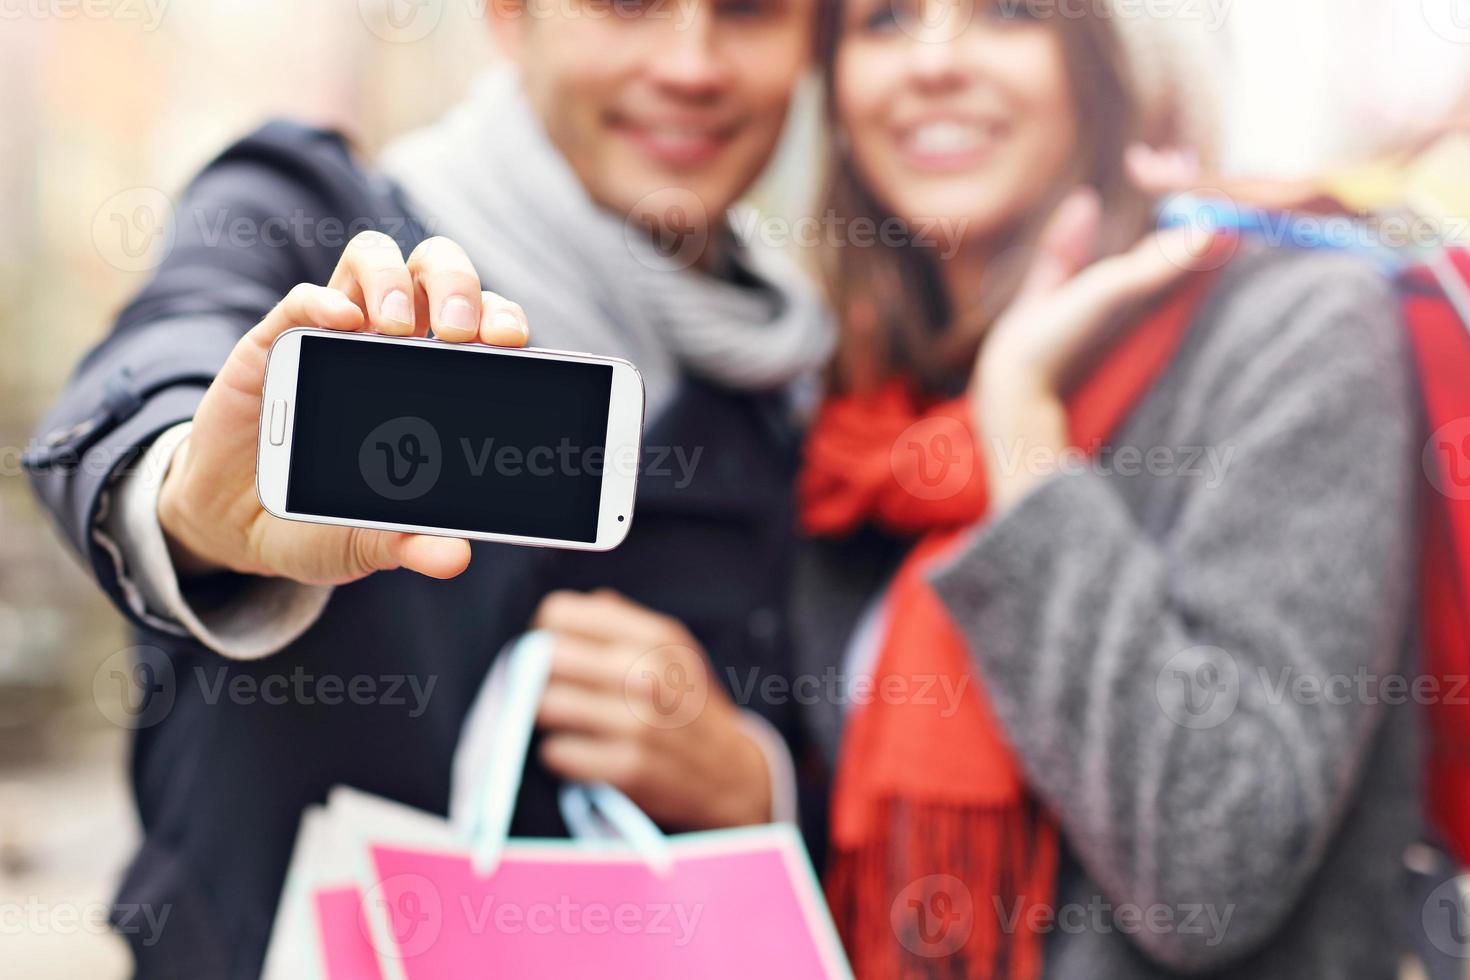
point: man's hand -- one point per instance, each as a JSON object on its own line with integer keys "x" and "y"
{"x": 208, "y": 506}
{"x": 632, "y": 702}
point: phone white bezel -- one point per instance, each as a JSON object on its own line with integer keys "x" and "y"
{"x": 623, "y": 454}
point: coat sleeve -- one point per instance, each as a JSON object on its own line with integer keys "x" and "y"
{"x": 266, "y": 215}
{"x": 1145, "y": 678}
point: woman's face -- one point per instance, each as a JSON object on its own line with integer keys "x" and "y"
{"x": 958, "y": 116}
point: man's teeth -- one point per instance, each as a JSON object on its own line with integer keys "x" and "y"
{"x": 946, "y": 137}
{"x": 675, "y": 134}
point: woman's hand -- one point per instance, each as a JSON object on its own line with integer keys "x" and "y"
{"x": 1062, "y": 305}
{"x": 208, "y": 507}
{"x": 632, "y": 702}
{"x": 1167, "y": 171}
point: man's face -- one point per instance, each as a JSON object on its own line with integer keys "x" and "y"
{"x": 645, "y": 96}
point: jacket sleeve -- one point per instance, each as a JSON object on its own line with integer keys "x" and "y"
{"x": 1145, "y": 678}
{"x": 274, "y": 210}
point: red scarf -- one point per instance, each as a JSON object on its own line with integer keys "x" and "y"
{"x": 927, "y": 789}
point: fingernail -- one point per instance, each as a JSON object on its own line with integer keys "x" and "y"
{"x": 458, "y": 315}
{"x": 396, "y": 308}
{"x": 509, "y": 322}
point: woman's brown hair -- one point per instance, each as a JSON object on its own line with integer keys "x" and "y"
{"x": 891, "y": 300}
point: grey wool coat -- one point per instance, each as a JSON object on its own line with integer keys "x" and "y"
{"x": 1184, "y": 640}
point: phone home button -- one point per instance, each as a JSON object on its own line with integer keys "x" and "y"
{"x": 278, "y": 421}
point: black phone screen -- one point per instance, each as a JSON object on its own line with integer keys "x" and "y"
{"x": 446, "y": 437}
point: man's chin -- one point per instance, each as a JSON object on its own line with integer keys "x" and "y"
{"x": 682, "y": 205}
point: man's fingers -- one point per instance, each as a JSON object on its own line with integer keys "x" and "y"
{"x": 372, "y": 274}
{"x": 604, "y": 615}
{"x": 503, "y": 323}
{"x": 449, "y": 288}
{"x": 573, "y": 708}
{"x": 381, "y": 551}
{"x": 591, "y": 663}
{"x": 434, "y": 556}
{"x": 587, "y": 759}
{"x": 307, "y": 306}
{"x": 437, "y": 287}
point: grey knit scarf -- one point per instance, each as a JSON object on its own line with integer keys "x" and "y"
{"x": 488, "y": 177}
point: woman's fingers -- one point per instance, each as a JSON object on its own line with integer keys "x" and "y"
{"x": 1162, "y": 171}
{"x": 448, "y": 289}
{"x": 372, "y": 274}
{"x": 1067, "y": 244}
{"x": 1154, "y": 263}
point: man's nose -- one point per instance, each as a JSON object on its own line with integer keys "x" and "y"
{"x": 690, "y": 60}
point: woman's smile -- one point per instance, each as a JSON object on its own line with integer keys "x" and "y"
{"x": 949, "y": 143}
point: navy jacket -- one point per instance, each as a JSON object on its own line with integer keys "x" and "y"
{"x": 221, "y": 782}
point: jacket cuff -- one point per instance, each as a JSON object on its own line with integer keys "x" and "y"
{"x": 778, "y": 764}
{"x": 257, "y": 618}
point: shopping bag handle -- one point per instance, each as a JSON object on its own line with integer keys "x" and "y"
{"x": 592, "y": 812}
{"x": 597, "y": 811}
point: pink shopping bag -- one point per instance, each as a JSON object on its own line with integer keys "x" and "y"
{"x": 719, "y": 904}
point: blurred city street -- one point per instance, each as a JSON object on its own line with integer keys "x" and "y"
{"x": 107, "y": 115}
{"x": 65, "y": 836}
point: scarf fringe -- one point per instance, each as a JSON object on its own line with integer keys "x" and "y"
{"x": 901, "y": 919}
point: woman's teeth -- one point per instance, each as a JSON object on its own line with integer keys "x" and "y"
{"x": 946, "y": 138}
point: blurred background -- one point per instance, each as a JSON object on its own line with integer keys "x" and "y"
{"x": 110, "y": 106}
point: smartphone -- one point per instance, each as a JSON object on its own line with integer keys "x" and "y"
{"x": 530, "y": 447}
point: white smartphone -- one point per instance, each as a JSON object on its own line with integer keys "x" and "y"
{"x": 530, "y": 447}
